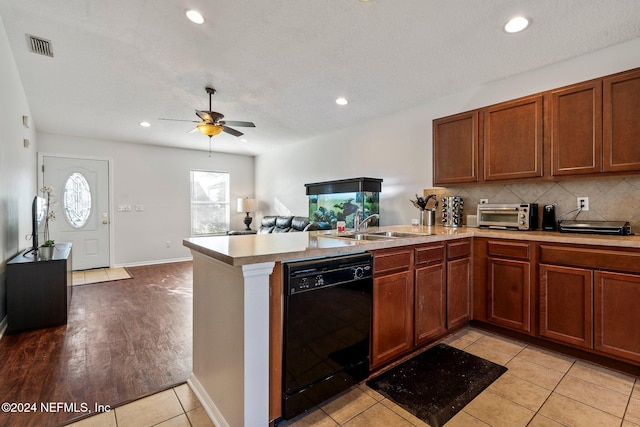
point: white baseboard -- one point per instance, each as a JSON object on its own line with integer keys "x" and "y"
{"x": 210, "y": 408}
{"x": 160, "y": 261}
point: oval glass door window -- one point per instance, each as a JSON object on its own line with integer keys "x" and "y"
{"x": 77, "y": 200}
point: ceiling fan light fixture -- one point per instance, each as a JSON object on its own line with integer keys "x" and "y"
{"x": 209, "y": 129}
{"x": 195, "y": 16}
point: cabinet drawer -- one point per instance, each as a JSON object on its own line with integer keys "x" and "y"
{"x": 590, "y": 257}
{"x": 459, "y": 249}
{"x": 510, "y": 250}
{"x": 429, "y": 254}
{"x": 391, "y": 260}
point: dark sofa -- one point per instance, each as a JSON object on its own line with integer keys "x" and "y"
{"x": 287, "y": 224}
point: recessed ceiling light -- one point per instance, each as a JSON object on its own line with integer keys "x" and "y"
{"x": 243, "y": 140}
{"x": 145, "y": 124}
{"x": 342, "y": 101}
{"x": 515, "y": 25}
{"x": 195, "y": 16}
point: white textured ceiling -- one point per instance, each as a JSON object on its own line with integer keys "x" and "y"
{"x": 281, "y": 63}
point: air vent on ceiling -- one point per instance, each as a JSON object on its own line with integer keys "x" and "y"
{"x": 40, "y": 46}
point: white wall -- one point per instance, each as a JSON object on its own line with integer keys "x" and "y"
{"x": 398, "y": 148}
{"x": 157, "y": 178}
{"x": 17, "y": 164}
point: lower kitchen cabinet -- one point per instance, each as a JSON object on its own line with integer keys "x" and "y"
{"x": 430, "y": 293}
{"x": 616, "y": 314}
{"x": 510, "y": 291}
{"x": 585, "y": 303}
{"x": 392, "y": 315}
{"x": 566, "y": 301}
{"x": 459, "y": 277}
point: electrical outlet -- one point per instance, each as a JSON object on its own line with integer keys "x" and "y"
{"x": 168, "y": 243}
{"x": 483, "y": 201}
{"x": 583, "y": 203}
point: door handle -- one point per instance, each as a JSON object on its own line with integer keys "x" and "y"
{"x": 105, "y": 218}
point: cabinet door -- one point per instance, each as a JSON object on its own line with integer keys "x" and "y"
{"x": 616, "y": 314}
{"x": 513, "y": 139}
{"x": 566, "y": 304}
{"x": 621, "y": 126}
{"x": 509, "y": 285}
{"x": 392, "y": 331}
{"x": 455, "y": 149}
{"x": 576, "y": 129}
{"x": 430, "y": 302}
{"x": 458, "y": 291}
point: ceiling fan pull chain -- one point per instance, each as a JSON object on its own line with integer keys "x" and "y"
{"x": 209, "y": 146}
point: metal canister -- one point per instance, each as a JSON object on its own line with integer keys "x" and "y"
{"x": 452, "y": 211}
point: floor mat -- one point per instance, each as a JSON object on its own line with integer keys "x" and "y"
{"x": 438, "y": 383}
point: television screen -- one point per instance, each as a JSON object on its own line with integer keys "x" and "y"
{"x": 38, "y": 212}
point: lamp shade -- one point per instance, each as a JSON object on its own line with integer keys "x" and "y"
{"x": 247, "y": 205}
{"x": 209, "y": 129}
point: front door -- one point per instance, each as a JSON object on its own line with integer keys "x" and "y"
{"x": 81, "y": 187}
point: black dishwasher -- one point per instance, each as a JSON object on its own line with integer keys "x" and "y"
{"x": 327, "y": 327}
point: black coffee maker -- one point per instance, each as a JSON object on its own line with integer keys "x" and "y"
{"x": 549, "y": 218}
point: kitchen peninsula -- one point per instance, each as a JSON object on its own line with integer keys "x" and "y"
{"x": 232, "y": 278}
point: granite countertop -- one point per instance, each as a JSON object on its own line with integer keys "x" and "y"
{"x": 257, "y": 248}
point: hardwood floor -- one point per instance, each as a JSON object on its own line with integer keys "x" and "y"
{"x": 124, "y": 339}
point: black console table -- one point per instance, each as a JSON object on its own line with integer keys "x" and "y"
{"x": 39, "y": 290}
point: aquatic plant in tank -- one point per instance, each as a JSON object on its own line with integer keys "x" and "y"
{"x": 333, "y": 201}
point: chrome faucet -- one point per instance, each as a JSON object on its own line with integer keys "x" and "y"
{"x": 357, "y": 224}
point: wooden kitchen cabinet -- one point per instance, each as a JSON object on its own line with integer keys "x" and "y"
{"x": 616, "y": 314}
{"x": 393, "y": 298}
{"x": 510, "y": 290}
{"x": 455, "y": 149}
{"x": 621, "y": 126}
{"x": 513, "y": 139}
{"x": 586, "y": 129}
{"x": 566, "y": 304}
{"x": 430, "y": 292}
{"x": 458, "y": 283}
{"x": 575, "y": 123}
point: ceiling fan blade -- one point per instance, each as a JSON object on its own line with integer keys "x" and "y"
{"x": 205, "y": 116}
{"x": 180, "y": 120}
{"x": 232, "y": 131}
{"x": 241, "y": 124}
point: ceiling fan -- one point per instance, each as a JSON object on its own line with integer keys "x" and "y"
{"x": 211, "y": 122}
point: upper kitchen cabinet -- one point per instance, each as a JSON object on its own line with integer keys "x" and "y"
{"x": 621, "y": 123}
{"x": 575, "y": 124}
{"x": 455, "y": 149}
{"x": 513, "y": 139}
{"x": 586, "y": 129}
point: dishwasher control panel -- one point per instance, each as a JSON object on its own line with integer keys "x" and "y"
{"x": 308, "y": 275}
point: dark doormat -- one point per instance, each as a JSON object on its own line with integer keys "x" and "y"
{"x": 438, "y": 383}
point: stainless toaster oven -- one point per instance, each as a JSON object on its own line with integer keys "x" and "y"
{"x": 508, "y": 216}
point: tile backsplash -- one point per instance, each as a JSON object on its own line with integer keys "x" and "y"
{"x": 610, "y": 199}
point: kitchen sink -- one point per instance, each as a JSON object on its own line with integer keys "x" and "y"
{"x": 396, "y": 234}
{"x": 364, "y": 236}
{"x": 379, "y": 235}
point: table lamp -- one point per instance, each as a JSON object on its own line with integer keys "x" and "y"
{"x": 247, "y": 205}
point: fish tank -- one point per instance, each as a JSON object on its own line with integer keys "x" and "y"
{"x": 333, "y": 201}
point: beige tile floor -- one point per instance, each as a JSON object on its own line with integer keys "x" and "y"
{"x": 85, "y": 277}
{"x": 176, "y": 407}
{"x": 540, "y": 389}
